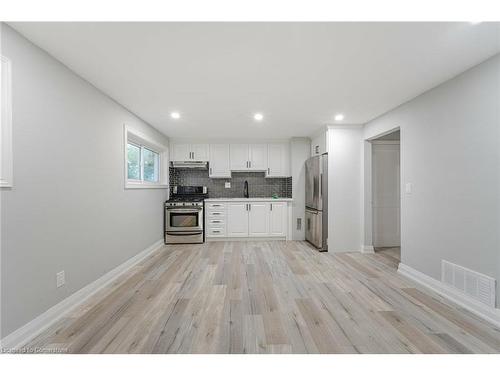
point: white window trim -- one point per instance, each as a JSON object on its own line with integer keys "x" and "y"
{"x": 6, "y": 159}
{"x": 133, "y": 136}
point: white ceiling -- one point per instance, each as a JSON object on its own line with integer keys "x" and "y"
{"x": 297, "y": 74}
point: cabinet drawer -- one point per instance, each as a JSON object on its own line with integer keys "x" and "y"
{"x": 216, "y": 206}
{"x": 216, "y": 214}
{"x": 216, "y": 222}
{"x": 216, "y": 232}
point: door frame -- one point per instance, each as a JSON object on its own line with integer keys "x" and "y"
{"x": 368, "y": 190}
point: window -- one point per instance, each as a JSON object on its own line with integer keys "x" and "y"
{"x": 150, "y": 165}
{"x": 133, "y": 162}
{"x": 145, "y": 162}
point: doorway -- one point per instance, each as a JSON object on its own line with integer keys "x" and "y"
{"x": 386, "y": 195}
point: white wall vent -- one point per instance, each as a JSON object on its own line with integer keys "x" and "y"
{"x": 474, "y": 284}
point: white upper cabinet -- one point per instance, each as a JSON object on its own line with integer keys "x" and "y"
{"x": 278, "y": 219}
{"x": 258, "y": 219}
{"x": 239, "y": 157}
{"x": 199, "y": 151}
{"x": 220, "y": 166}
{"x": 251, "y": 157}
{"x": 319, "y": 144}
{"x": 278, "y": 164}
{"x": 257, "y": 157}
{"x": 189, "y": 152}
{"x": 271, "y": 158}
{"x": 181, "y": 152}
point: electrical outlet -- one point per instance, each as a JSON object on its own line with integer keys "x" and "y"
{"x": 227, "y": 185}
{"x": 60, "y": 279}
{"x": 299, "y": 223}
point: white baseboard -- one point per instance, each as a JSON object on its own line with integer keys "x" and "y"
{"x": 368, "y": 249}
{"x": 30, "y": 330}
{"x": 218, "y": 239}
{"x": 484, "y": 311}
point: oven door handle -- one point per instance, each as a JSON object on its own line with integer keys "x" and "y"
{"x": 183, "y": 233}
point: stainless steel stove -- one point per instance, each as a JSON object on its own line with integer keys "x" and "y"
{"x": 184, "y": 215}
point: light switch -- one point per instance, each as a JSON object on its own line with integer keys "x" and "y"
{"x": 408, "y": 187}
{"x": 227, "y": 185}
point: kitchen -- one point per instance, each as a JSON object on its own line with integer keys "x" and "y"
{"x": 258, "y": 187}
{"x": 246, "y": 189}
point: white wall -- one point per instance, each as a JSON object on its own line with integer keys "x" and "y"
{"x": 345, "y": 220}
{"x": 450, "y": 152}
{"x": 68, "y": 209}
{"x": 300, "y": 149}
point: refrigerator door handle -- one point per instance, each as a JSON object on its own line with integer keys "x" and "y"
{"x": 320, "y": 186}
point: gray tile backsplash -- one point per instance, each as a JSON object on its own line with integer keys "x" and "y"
{"x": 258, "y": 185}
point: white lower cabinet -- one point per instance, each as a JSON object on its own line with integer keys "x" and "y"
{"x": 237, "y": 219}
{"x": 277, "y": 219}
{"x": 258, "y": 219}
{"x": 246, "y": 219}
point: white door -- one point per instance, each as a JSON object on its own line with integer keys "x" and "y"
{"x": 199, "y": 151}
{"x": 277, "y": 219}
{"x": 386, "y": 195}
{"x": 237, "y": 219}
{"x": 278, "y": 161}
{"x": 257, "y": 157}
{"x": 258, "y": 219}
{"x": 219, "y": 161}
{"x": 239, "y": 157}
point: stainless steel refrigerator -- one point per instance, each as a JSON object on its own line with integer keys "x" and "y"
{"x": 317, "y": 201}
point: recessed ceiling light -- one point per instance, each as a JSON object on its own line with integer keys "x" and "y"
{"x": 339, "y": 117}
{"x": 474, "y": 22}
{"x": 175, "y": 115}
{"x": 258, "y": 117}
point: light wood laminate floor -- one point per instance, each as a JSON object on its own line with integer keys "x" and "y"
{"x": 394, "y": 252}
{"x": 267, "y": 297}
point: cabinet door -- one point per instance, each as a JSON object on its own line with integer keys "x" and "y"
{"x": 199, "y": 152}
{"x": 258, "y": 157}
{"x": 219, "y": 161}
{"x": 237, "y": 219}
{"x": 239, "y": 157}
{"x": 181, "y": 152}
{"x": 258, "y": 219}
{"x": 278, "y": 164}
{"x": 278, "y": 219}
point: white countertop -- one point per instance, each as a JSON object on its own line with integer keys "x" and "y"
{"x": 249, "y": 200}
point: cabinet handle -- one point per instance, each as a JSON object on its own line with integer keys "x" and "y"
{"x": 271, "y": 206}
{"x": 250, "y": 164}
{"x": 210, "y": 170}
{"x": 249, "y": 207}
{"x": 268, "y": 171}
